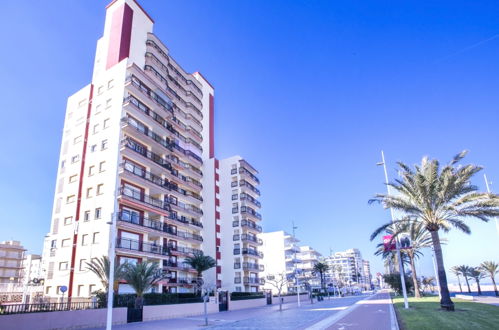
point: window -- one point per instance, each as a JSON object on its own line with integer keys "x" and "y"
{"x": 70, "y": 199}
{"x": 81, "y": 287}
{"x": 84, "y": 239}
{"x": 91, "y": 288}
{"x": 68, "y": 221}
{"x": 104, "y": 145}
{"x": 65, "y": 242}
{"x": 77, "y": 139}
{"x": 108, "y": 103}
{"x": 110, "y": 84}
{"x": 100, "y": 90}
{"x": 98, "y": 108}
{"x": 75, "y": 159}
{"x": 96, "y": 128}
{"x": 83, "y": 264}
{"x": 91, "y": 170}
{"x": 100, "y": 189}
{"x": 73, "y": 178}
{"x": 47, "y": 290}
{"x": 105, "y": 124}
{"x": 98, "y": 212}
{"x": 95, "y": 238}
{"x": 93, "y": 147}
{"x": 90, "y": 192}
{"x": 53, "y": 244}
{"x": 86, "y": 216}
{"x": 102, "y": 166}
{"x": 82, "y": 102}
{"x": 63, "y": 164}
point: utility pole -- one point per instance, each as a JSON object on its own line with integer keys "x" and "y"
{"x": 296, "y": 267}
{"x": 488, "y": 190}
{"x": 110, "y": 287}
{"x": 397, "y": 243}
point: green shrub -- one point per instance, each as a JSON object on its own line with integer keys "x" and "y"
{"x": 393, "y": 280}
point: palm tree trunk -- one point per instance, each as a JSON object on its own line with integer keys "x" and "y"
{"x": 494, "y": 282}
{"x": 445, "y": 301}
{"x": 417, "y": 294}
{"x": 467, "y": 283}
{"x": 478, "y": 285}
{"x": 459, "y": 281}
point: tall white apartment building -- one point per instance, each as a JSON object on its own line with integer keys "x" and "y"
{"x": 346, "y": 266}
{"x": 309, "y": 257}
{"x": 137, "y": 153}
{"x": 280, "y": 251}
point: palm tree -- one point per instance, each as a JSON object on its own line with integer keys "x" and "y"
{"x": 455, "y": 271}
{"x": 492, "y": 268}
{"x": 465, "y": 271}
{"x": 101, "y": 266}
{"x": 200, "y": 263}
{"x": 321, "y": 268}
{"x": 142, "y": 276}
{"x": 420, "y": 239}
{"x": 477, "y": 274}
{"x": 428, "y": 282}
{"x": 441, "y": 199}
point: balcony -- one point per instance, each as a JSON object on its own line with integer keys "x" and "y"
{"x": 244, "y": 171}
{"x": 180, "y": 266}
{"x": 253, "y": 280}
{"x": 249, "y": 266}
{"x": 166, "y": 105}
{"x": 250, "y": 211}
{"x": 157, "y": 225}
{"x": 251, "y": 199}
{"x": 155, "y": 158}
{"x": 185, "y": 221}
{"x": 134, "y": 245}
{"x": 246, "y": 251}
{"x": 247, "y": 224}
{"x": 143, "y": 130}
{"x": 142, "y": 198}
{"x": 247, "y": 185}
{"x": 247, "y": 238}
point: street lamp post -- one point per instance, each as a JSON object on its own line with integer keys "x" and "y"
{"x": 110, "y": 289}
{"x": 397, "y": 243}
{"x": 296, "y": 268}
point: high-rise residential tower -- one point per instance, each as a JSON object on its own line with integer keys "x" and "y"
{"x": 137, "y": 167}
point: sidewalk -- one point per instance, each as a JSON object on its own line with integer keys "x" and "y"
{"x": 486, "y": 300}
{"x": 373, "y": 313}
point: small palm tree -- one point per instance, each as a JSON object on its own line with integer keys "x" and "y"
{"x": 142, "y": 276}
{"x": 101, "y": 266}
{"x": 465, "y": 271}
{"x": 492, "y": 268}
{"x": 428, "y": 282}
{"x": 455, "y": 271}
{"x": 441, "y": 199}
{"x": 477, "y": 274}
{"x": 420, "y": 239}
{"x": 321, "y": 268}
{"x": 200, "y": 263}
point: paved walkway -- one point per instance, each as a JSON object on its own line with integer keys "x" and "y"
{"x": 487, "y": 300}
{"x": 357, "y": 312}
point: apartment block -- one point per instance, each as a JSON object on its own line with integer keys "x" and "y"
{"x": 137, "y": 168}
{"x": 11, "y": 258}
{"x": 280, "y": 251}
{"x": 309, "y": 257}
{"x": 347, "y": 268}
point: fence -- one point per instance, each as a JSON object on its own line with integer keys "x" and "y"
{"x": 47, "y": 307}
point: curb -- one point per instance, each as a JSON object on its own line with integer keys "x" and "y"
{"x": 393, "y": 316}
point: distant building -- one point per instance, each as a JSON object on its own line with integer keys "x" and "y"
{"x": 366, "y": 267}
{"x": 32, "y": 271}
{"x": 347, "y": 268}
{"x": 11, "y": 258}
{"x": 280, "y": 251}
{"x": 308, "y": 259}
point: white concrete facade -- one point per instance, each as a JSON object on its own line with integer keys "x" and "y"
{"x": 309, "y": 257}
{"x": 347, "y": 268}
{"x": 280, "y": 251}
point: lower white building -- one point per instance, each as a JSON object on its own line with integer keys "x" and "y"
{"x": 346, "y": 268}
{"x": 280, "y": 251}
{"x": 309, "y": 257}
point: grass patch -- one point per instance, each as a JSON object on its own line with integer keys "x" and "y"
{"x": 425, "y": 313}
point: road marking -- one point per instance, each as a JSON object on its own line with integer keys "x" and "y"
{"x": 329, "y": 321}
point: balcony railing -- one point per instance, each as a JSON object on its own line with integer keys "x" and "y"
{"x": 246, "y": 197}
{"x": 181, "y": 265}
{"x": 143, "y": 198}
{"x": 166, "y": 105}
{"x": 244, "y": 183}
{"x": 131, "y": 144}
{"x": 134, "y": 245}
{"x": 242, "y": 170}
{"x": 248, "y": 224}
{"x": 185, "y": 220}
{"x": 157, "y": 225}
{"x": 248, "y": 252}
{"x": 246, "y": 237}
{"x": 139, "y": 127}
{"x": 247, "y": 209}
{"x": 249, "y": 266}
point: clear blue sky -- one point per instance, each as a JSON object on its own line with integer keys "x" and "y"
{"x": 308, "y": 91}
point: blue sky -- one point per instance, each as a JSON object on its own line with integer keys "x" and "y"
{"x": 308, "y": 91}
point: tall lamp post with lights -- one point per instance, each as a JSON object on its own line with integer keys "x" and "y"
{"x": 397, "y": 243}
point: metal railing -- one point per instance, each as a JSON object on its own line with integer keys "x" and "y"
{"x": 47, "y": 307}
{"x": 143, "y": 198}
{"x": 134, "y": 245}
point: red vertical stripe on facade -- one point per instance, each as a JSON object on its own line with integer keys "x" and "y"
{"x": 80, "y": 189}
{"x": 212, "y": 129}
{"x": 218, "y": 255}
{"x": 120, "y": 36}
